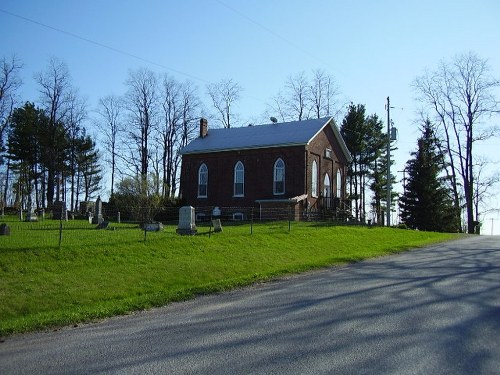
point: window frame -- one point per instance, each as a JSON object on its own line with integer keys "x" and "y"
{"x": 202, "y": 172}
{"x": 282, "y": 169}
{"x": 239, "y": 171}
{"x": 327, "y": 190}
{"x": 314, "y": 179}
{"x": 338, "y": 183}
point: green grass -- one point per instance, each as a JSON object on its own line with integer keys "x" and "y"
{"x": 101, "y": 273}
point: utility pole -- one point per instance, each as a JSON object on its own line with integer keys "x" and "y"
{"x": 388, "y": 163}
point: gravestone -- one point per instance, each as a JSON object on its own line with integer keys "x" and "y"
{"x": 186, "y": 221}
{"x": 98, "y": 218}
{"x": 153, "y": 227}
{"x": 31, "y": 214}
{"x": 41, "y": 213}
{"x": 217, "y": 225}
{"x": 4, "y": 230}
{"x": 59, "y": 211}
{"x": 216, "y": 212}
{"x": 103, "y": 225}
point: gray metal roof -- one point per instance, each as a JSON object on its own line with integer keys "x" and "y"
{"x": 293, "y": 133}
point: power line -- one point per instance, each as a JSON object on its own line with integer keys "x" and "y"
{"x": 267, "y": 29}
{"x": 102, "y": 45}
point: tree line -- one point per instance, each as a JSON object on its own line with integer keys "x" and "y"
{"x": 47, "y": 153}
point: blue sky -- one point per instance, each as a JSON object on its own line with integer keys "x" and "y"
{"x": 373, "y": 49}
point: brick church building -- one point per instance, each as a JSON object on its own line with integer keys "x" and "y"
{"x": 299, "y": 165}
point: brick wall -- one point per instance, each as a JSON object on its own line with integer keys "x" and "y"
{"x": 259, "y": 165}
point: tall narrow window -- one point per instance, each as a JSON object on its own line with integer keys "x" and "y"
{"x": 203, "y": 181}
{"x": 339, "y": 184}
{"x": 314, "y": 179}
{"x": 279, "y": 177}
{"x": 239, "y": 180}
{"x": 327, "y": 191}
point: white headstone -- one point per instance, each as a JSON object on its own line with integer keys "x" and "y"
{"x": 216, "y": 211}
{"x": 186, "y": 220}
{"x": 217, "y": 225}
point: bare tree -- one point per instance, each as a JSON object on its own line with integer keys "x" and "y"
{"x": 323, "y": 92}
{"x": 76, "y": 114}
{"x": 303, "y": 98}
{"x": 9, "y": 83}
{"x": 460, "y": 93}
{"x": 189, "y": 126}
{"x": 170, "y": 132}
{"x": 110, "y": 111}
{"x": 298, "y": 97}
{"x": 277, "y": 107}
{"x": 484, "y": 184}
{"x": 54, "y": 86}
{"x": 142, "y": 99}
{"x": 224, "y": 94}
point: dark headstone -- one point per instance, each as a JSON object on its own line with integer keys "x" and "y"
{"x": 98, "y": 218}
{"x": 4, "y": 229}
{"x": 102, "y": 225}
{"x": 59, "y": 211}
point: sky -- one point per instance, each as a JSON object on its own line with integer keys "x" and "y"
{"x": 373, "y": 49}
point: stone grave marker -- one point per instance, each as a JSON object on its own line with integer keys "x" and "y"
{"x": 98, "y": 218}
{"x": 31, "y": 214}
{"x": 217, "y": 225}
{"x": 103, "y": 225}
{"x": 186, "y": 221}
{"x": 4, "y": 229}
{"x": 59, "y": 211}
{"x": 153, "y": 227}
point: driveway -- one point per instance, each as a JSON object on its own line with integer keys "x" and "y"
{"x": 428, "y": 311}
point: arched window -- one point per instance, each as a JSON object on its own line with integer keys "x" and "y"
{"x": 279, "y": 177}
{"x": 339, "y": 184}
{"x": 327, "y": 191}
{"x": 203, "y": 181}
{"x": 239, "y": 179}
{"x": 314, "y": 179}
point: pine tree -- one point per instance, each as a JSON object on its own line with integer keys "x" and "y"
{"x": 353, "y": 131}
{"x": 377, "y": 161}
{"x": 426, "y": 203}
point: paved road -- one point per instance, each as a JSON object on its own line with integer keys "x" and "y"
{"x": 429, "y": 311}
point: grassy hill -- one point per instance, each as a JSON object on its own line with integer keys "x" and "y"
{"x": 101, "y": 273}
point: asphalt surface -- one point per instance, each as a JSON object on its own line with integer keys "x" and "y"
{"x": 428, "y": 311}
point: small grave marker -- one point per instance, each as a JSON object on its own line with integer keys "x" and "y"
{"x": 4, "y": 230}
{"x": 217, "y": 225}
{"x": 98, "y": 218}
{"x": 153, "y": 227}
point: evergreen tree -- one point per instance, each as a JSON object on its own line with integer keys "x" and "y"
{"x": 88, "y": 171}
{"x": 377, "y": 161}
{"x": 26, "y": 125}
{"x": 354, "y": 132}
{"x": 426, "y": 203}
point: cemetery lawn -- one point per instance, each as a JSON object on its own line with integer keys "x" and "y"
{"x": 101, "y": 273}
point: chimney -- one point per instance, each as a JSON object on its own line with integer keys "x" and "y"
{"x": 203, "y": 127}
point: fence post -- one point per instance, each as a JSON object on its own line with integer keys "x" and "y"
{"x": 63, "y": 207}
{"x": 289, "y": 217}
{"x": 251, "y": 222}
